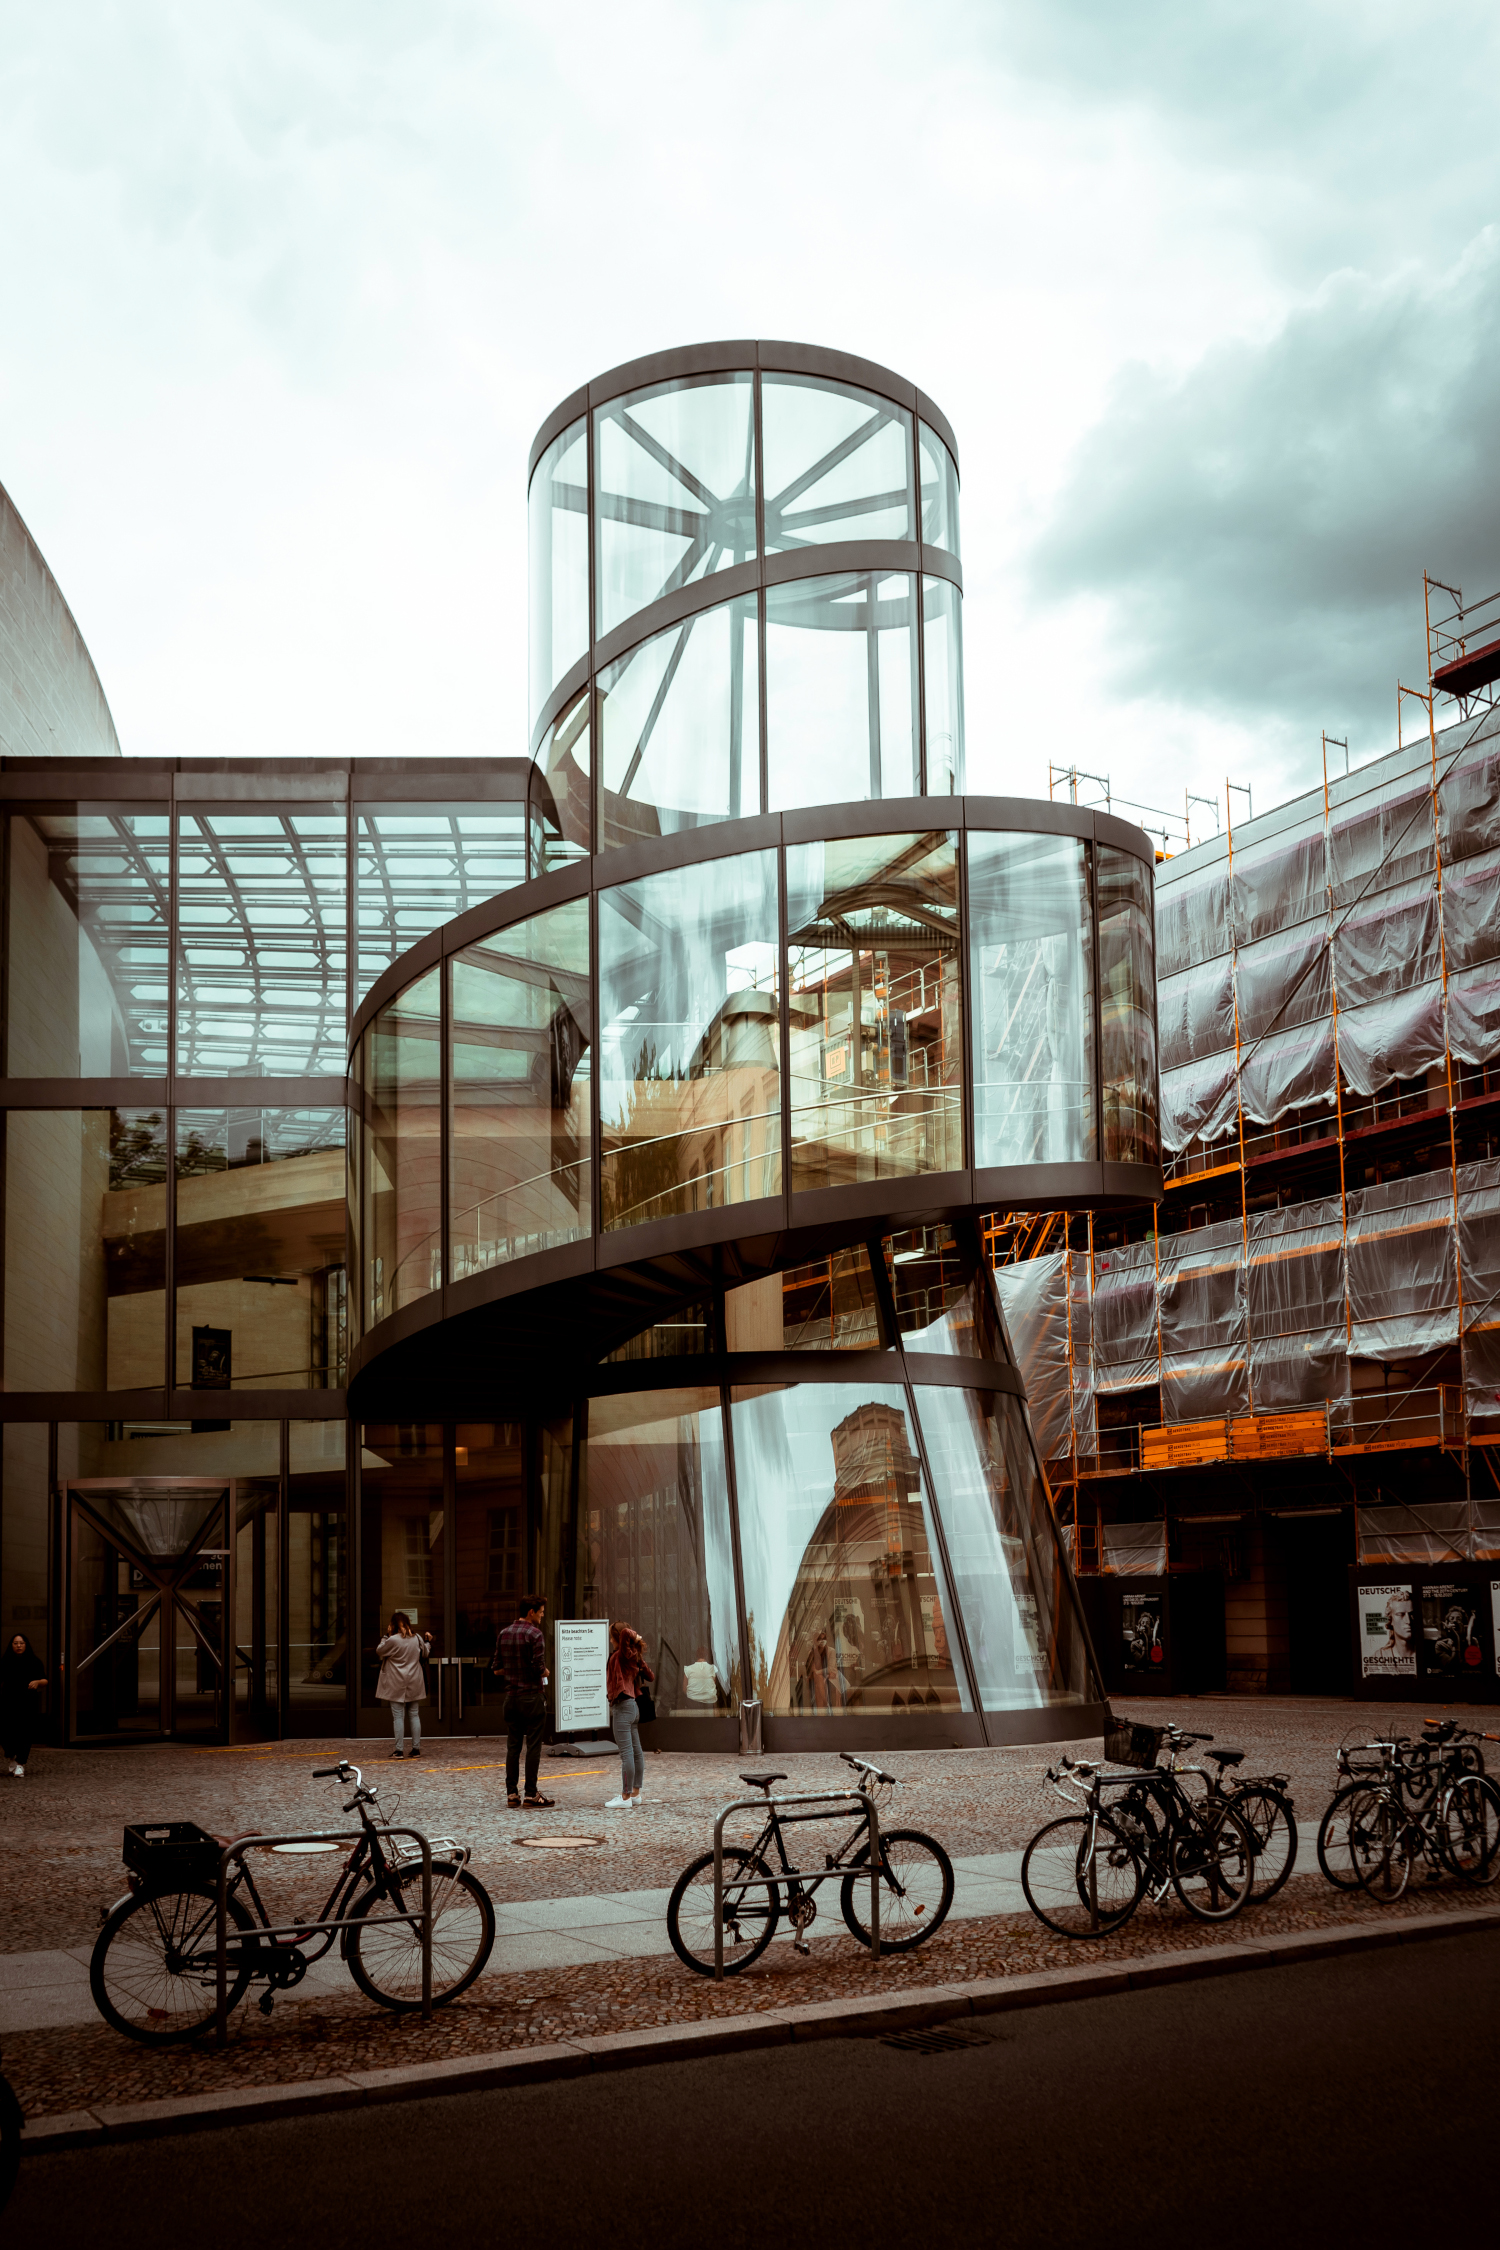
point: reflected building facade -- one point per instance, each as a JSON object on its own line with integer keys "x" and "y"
{"x": 567, "y": 1170}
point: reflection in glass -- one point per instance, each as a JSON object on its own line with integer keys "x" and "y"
{"x": 558, "y": 512}
{"x": 86, "y": 942}
{"x": 827, "y": 1305}
{"x": 875, "y": 1008}
{"x": 841, "y": 695}
{"x": 1031, "y": 946}
{"x": 262, "y": 942}
{"x": 838, "y": 463}
{"x": 679, "y": 721}
{"x": 261, "y": 1295}
{"x": 674, "y": 470}
{"x": 521, "y": 1070}
{"x": 846, "y": 1606}
{"x": 1127, "y": 1008}
{"x": 317, "y": 1560}
{"x": 402, "y": 1527}
{"x": 561, "y": 791}
{"x": 257, "y": 1606}
{"x": 690, "y": 1030}
{"x": 943, "y": 686}
{"x": 418, "y": 865}
{"x": 400, "y": 1163}
{"x": 939, "y": 475}
{"x": 85, "y": 1249}
{"x": 942, "y": 1304}
{"x": 491, "y": 1566}
{"x": 654, "y": 1543}
{"x": 1020, "y": 1610}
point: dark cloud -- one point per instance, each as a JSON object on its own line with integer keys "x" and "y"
{"x": 1258, "y": 528}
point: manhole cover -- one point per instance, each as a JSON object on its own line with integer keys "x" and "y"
{"x": 300, "y": 1848}
{"x": 557, "y": 1843}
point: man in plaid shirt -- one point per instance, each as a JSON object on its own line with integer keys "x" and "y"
{"x": 521, "y": 1660}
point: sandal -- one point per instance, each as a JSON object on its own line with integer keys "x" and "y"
{"x": 514, "y": 1803}
{"x": 536, "y": 1804}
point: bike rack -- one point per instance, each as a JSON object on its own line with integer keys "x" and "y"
{"x": 798, "y": 1875}
{"x": 237, "y": 1851}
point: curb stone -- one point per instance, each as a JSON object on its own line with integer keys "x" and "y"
{"x": 771, "y": 2027}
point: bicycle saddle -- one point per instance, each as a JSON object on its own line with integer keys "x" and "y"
{"x": 762, "y": 1780}
{"x": 1226, "y": 1757}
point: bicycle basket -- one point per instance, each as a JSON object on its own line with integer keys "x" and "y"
{"x": 1126, "y": 1744}
{"x": 172, "y": 1854}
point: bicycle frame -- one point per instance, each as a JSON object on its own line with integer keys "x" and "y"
{"x": 795, "y": 1877}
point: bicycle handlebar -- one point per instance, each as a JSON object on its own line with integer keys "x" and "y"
{"x": 862, "y": 1765}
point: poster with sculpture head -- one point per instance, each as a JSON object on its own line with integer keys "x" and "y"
{"x": 1387, "y": 1635}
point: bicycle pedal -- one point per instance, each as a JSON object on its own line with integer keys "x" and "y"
{"x": 800, "y": 1944}
{"x": 267, "y": 2002}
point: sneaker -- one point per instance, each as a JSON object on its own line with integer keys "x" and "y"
{"x": 618, "y": 1804}
{"x": 20, "y": 1773}
{"x": 397, "y": 1753}
{"x": 414, "y": 1753}
{"x": 513, "y": 1803}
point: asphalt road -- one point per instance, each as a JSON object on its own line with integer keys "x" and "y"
{"x": 1266, "y": 2109}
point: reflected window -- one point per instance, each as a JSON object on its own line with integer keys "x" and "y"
{"x": 418, "y": 865}
{"x": 674, "y": 468}
{"x": 317, "y": 1569}
{"x": 845, "y": 1600}
{"x": 491, "y": 1564}
{"x": 690, "y": 1079}
{"x": 261, "y": 1287}
{"x": 1031, "y": 940}
{"x": 262, "y": 942}
{"x": 841, "y": 693}
{"x": 942, "y": 1305}
{"x": 522, "y": 1062}
{"x": 86, "y": 913}
{"x": 399, "y": 1230}
{"x": 561, "y": 791}
{"x": 403, "y": 1530}
{"x": 875, "y": 1008}
{"x": 943, "y": 686}
{"x": 939, "y": 474}
{"x": 838, "y": 463}
{"x": 679, "y": 725}
{"x": 85, "y": 1249}
{"x": 827, "y": 1305}
{"x": 1127, "y": 1009}
{"x": 654, "y": 1543}
{"x": 558, "y": 512}
{"x": 1020, "y": 1608}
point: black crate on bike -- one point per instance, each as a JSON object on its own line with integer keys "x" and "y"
{"x": 172, "y": 1854}
{"x": 1127, "y": 1744}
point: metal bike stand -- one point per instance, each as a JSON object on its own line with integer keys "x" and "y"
{"x": 794, "y": 1874}
{"x": 237, "y": 1851}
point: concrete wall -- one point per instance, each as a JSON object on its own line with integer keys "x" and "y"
{"x": 51, "y": 703}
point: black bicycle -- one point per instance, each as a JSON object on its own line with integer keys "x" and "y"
{"x": 916, "y": 1886}
{"x": 1085, "y": 1876}
{"x": 1427, "y": 1800}
{"x": 1263, "y": 1802}
{"x": 154, "y": 1971}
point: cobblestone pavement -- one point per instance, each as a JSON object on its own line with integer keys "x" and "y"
{"x": 60, "y": 1846}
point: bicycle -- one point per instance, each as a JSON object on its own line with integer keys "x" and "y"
{"x": 1263, "y": 1802}
{"x": 154, "y": 1969}
{"x": 1424, "y": 1801}
{"x": 1085, "y": 1875}
{"x": 916, "y": 1876}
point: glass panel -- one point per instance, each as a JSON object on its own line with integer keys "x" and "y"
{"x": 874, "y": 996}
{"x": 1020, "y": 1609}
{"x": 116, "y": 1674}
{"x": 85, "y": 1249}
{"x": 492, "y": 1564}
{"x": 558, "y": 507}
{"x": 654, "y": 1546}
{"x": 688, "y": 1335}
{"x": 262, "y": 942}
{"x": 86, "y": 943}
{"x": 256, "y": 1601}
{"x": 521, "y": 1070}
{"x": 690, "y": 1094}
{"x": 1127, "y": 1009}
{"x": 561, "y": 791}
{"x": 837, "y": 463}
{"x": 400, "y": 1158}
{"x": 675, "y": 468}
{"x": 198, "y": 1643}
{"x": 828, "y": 1305}
{"x": 402, "y": 1526}
{"x": 846, "y": 1606}
{"x": 841, "y": 694}
{"x": 419, "y": 865}
{"x": 939, "y": 474}
{"x": 939, "y": 1306}
{"x": 943, "y": 678}
{"x": 130, "y": 1454}
{"x": 317, "y": 1565}
{"x": 1031, "y": 944}
{"x": 25, "y": 1532}
{"x": 261, "y": 1288}
{"x": 679, "y": 721}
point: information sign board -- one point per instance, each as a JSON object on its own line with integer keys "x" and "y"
{"x": 582, "y": 1655}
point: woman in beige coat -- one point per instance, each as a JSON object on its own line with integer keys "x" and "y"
{"x": 401, "y": 1683}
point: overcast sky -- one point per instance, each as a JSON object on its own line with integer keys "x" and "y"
{"x": 1211, "y": 295}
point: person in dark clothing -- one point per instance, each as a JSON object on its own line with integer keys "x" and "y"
{"x": 521, "y": 1661}
{"x": 22, "y": 1676}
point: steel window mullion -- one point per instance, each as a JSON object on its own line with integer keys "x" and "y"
{"x": 742, "y": 1619}
{"x": 783, "y": 942}
{"x": 760, "y": 597}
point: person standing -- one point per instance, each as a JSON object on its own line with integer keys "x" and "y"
{"x": 402, "y": 1683}
{"x": 626, "y": 1674}
{"x": 521, "y": 1659}
{"x": 22, "y": 1677}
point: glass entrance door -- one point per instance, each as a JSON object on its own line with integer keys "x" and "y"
{"x": 150, "y": 1589}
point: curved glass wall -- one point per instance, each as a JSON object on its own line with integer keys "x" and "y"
{"x": 841, "y": 689}
{"x": 674, "y": 471}
{"x": 557, "y": 510}
{"x": 679, "y": 727}
{"x": 838, "y": 463}
{"x": 943, "y": 677}
{"x": 938, "y": 472}
{"x": 563, "y": 788}
{"x": 1127, "y": 1012}
{"x": 399, "y": 1231}
{"x": 1031, "y": 935}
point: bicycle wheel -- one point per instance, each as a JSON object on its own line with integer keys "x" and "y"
{"x": 1345, "y": 1834}
{"x": 1211, "y": 1857}
{"x": 1384, "y": 1867}
{"x": 1081, "y": 1877}
{"x": 12, "y": 2124}
{"x": 751, "y": 1912}
{"x": 1273, "y": 1834}
{"x": 385, "y": 1961}
{"x": 915, "y": 1895}
{"x": 152, "y": 1971}
{"x": 1469, "y": 1829}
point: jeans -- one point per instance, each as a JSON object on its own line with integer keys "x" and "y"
{"x": 525, "y": 1718}
{"x": 625, "y": 1726}
{"x": 410, "y": 1712}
